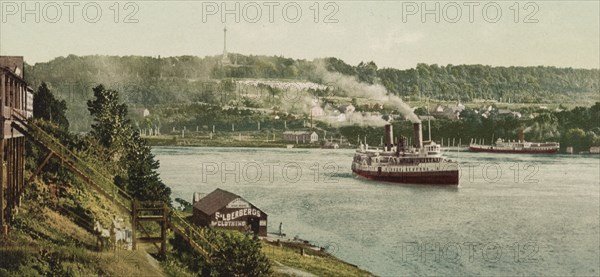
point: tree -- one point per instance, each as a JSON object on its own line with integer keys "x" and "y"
{"x": 421, "y": 111}
{"x": 576, "y": 138}
{"x": 144, "y": 181}
{"x": 184, "y": 205}
{"x": 111, "y": 126}
{"x": 46, "y": 107}
{"x": 53, "y": 111}
{"x": 367, "y": 72}
{"x": 239, "y": 255}
{"x": 114, "y": 132}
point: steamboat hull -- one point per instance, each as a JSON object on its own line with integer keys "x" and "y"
{"x": 514, "y": 151}
{"x": 449, "y": 178}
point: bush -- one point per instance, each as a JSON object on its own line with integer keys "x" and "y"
{"x": 235, "y": 254}
{"x": 239, "y": 255}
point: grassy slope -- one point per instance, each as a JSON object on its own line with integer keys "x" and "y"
{"x": 282, "y": 256}
{"x": 45, "y": 242}
{"x": 284, "y": 260}
{"x": 314, "y": 262}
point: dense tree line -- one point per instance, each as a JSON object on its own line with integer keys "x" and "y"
{"x": 578, "y": 128}
{"x": 470, "y": 82}
{"x": 150, "y": 80}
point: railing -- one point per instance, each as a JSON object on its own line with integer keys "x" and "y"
{"x": 192, "y": 234}
{"x": 79, "y": 166}
{"x": 195, "y": 236}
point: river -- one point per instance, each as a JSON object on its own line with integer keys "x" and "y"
{"x": 511, "y": 215}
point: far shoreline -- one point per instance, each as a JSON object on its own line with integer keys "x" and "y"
{"x": 194, "y": 142}
{"x": 169, "y": 142}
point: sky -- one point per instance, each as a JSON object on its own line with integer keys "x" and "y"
{"x": 396, "y": 34}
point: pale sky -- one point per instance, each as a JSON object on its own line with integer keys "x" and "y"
{"x": 390, "y": 33}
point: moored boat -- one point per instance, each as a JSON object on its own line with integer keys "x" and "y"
{"x": 517, "y": 147}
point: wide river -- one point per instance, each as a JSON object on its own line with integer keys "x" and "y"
{"x": 511, "y": 215}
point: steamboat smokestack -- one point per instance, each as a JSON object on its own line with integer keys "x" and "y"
{"x": 389, "y": 137}
{"x": 418, "y": 135}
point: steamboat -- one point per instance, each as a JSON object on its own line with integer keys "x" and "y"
{"x": 517, "y": 147}
{"x": 421, "y": 163}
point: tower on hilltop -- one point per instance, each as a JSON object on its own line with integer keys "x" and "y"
{"x": 225, "y": 58}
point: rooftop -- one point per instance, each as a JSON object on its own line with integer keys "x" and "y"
{"x": 214, "y": 201}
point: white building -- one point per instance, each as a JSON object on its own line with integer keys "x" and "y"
{"x": 347, "y": 108}
{"x": 317, "y": 111}
{"x": 301, "y": 136}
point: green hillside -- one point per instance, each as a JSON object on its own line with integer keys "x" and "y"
{"x": 154, "y": 81}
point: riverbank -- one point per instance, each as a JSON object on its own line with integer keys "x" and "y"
{"x": 302, "y": 259}
{"x": 233, "y": 141}
{"x": 178, "y": 141}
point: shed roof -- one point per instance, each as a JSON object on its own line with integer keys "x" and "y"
{"x": 298, "y": 132}
{"x": 214, "y": 201}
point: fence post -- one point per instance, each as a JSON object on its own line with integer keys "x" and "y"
{"x": 163, "y": 232}
{"x": 2, "y": 229}
{"x": 133, "y": 223}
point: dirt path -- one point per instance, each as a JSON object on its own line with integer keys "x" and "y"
{"x": 146, "y": 249}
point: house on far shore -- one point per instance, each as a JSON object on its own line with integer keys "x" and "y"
{"x": 225, "y": 210}
{"x": 301, "y": 136}
{"x": 509, "y": 113}
{"x": 141, "y": 112}
{"x": 450, "y": 112}
{"x": 426, "y": 117}
{"x": 346, "y": 108}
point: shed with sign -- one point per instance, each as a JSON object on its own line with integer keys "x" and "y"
{"x": 226, "y": 210}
